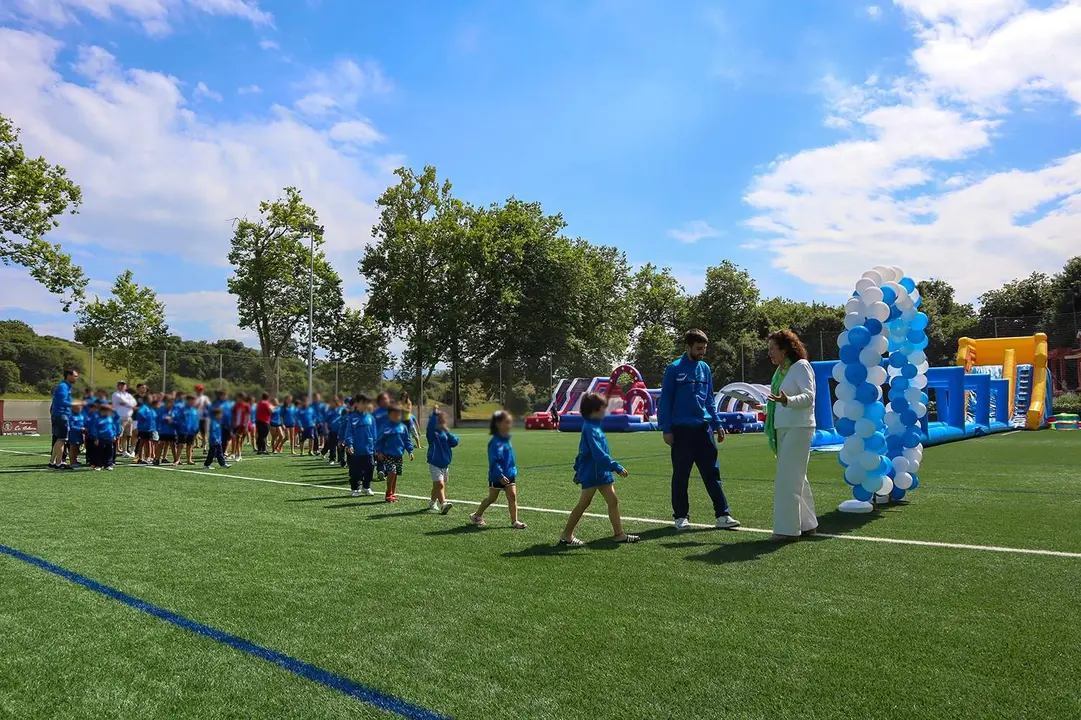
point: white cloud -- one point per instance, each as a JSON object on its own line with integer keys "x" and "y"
{"x": 22, "y": 292}
{"x": 214, "y": 310}
{"x": 268, "y": 45}
{"x": 874, "y": 12}
{"x": 202, "y": 92}
{"x": 692, "y": 232}
{"x": 355, "y": 132}
{"x": 158, "y": 176}
{"x": 897, "y": 190}
{"x": 249, "y": 90}
{"x": 155, "y": 16}
{"x": 342, "y": 87}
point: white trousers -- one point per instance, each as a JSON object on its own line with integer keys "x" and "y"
{"x": 793, "y": 505}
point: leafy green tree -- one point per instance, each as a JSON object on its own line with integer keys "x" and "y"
{"x": 33, "y": 194}
{"x": 725, "y": 310}
{"x": 660, "y": 319}
{"x": 272, "y": 258}
{"x": 1026, "y": 297}
{"x": 948, "y": 321}
{"x": 360, "y": 350}
{"x": 128, "y": 330}
{"x": 9, "y": 376}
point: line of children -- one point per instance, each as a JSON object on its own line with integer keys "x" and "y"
{"x": 359, "y": 443}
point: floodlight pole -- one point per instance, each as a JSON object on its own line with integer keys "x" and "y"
{"x": 311, "y": 230}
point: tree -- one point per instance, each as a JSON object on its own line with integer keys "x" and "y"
{"x": 272, "y": 259}
{"x": 33, "y": 194}
{"x": 360, "y": 350}
{"x": 725, "y": 310}
{"x": 1027, "y": 297}
{"x": 660, "y": 319}
{"x": 128, "y": 330}
{"x": 9, "y": 376}
{"x": 948, "y": 320}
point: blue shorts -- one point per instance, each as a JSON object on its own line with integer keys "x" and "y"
{"x": 75, "y": 440}
{"x": 499, "y": 484}
{"x": 307, "y": 434}
{"x": 60, "y": 427}
{"x": 605, "y": 479}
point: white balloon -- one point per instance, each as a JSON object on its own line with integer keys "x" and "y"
{"x": 909, "y": 315}
{"x": 876, "y": 375}
{"x": 865, "y": 428}
{"x": 854, "y": 446}
{"x": 922, "y": 368}
{"x": 913, "y": 395}
{"x": 847, "y": 458}
{"x": 839, "y": 408}
{"x": 887, "y": 487}
{"x": 918, "y": 357}
{"x": 898, "y": 273}
{"x": 884, "y": 271}
{"x": 863, "y": 284}
{"x": 846, "y": 391}
{"x": 842, "y": 339}
{"x": 900, "y": 465}
{"x": 870, "y": 358}
{"x": 880, "y": 343}
{"x": 920, "y": 408}
{"x": 903, "y": 481}
{"x": 879, "y": 311}
{"x": 893, "y": 423}
{"x": 914, "y": 294}
{"x": 853, "y": 410}
{"x": 852, "y": 320}
{"x": 854, "y": 474}
{"x": 914, "y": 454}
{"x": 919, "y": 381}
{"x": 906, "y": 303}
{"x": 869, "y": 460}
{"x": 855, "y": 305}
{"x": 873, "y": 276}
{"x": 839, "y": 372}
{"x": 871, "y": 295}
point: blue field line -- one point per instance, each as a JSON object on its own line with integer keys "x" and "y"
{"x": 344, "y": 685}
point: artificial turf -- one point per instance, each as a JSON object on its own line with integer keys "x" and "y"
{"x": 500, "y": 623}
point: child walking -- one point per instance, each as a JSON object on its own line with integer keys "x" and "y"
{"x": 441, "y": 444}
{"x": 215, "y": 451}
{"x": 593, "y": 470}
{"x": 502, "y": 470}
{"x": 102, "y": 435}
{"x": 392, "y": 446}
{"x": 76, "y": 426}
{"x": 360, "y": 446}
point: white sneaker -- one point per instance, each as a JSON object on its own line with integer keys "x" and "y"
{"x": 682, "y": 523}
{"x": 445, "y": 508}
{"x": 129, "y": 454}
{"x": 367, "y": 492}
{"x": 355, "y": 493}
{"x": 433, "y": 507}
{"x": 727, "y": 522}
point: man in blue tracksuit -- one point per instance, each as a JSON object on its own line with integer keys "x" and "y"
{"x": 687, "y": 415}
{"x": 60, "y": 413}
{"x": 359, "y": 438}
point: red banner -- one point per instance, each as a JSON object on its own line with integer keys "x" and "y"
{"x": 19, "y": 427}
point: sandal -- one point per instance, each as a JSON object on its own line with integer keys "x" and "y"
{"x": 477, "y": 520}
{"x": 518, "y": 525}
{"x": 572, "y": 542}
{"x": 628, "y": 539}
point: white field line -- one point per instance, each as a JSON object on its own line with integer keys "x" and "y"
{"x": 650, "y": 521}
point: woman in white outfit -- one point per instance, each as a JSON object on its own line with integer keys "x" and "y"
{"x": 790, "y": 426}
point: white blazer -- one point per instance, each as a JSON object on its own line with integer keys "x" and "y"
{"x": 799, "y": 386}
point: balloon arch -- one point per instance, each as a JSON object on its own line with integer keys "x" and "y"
{"x": 882, "y": 345}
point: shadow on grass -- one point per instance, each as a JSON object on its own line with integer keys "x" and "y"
{"x": 314, "y": 499}
{"x": 467, "y": 529}
{"x": 836, "y": 522}
{"x": 369, "y": 503}
{"x": 391, "y": 515}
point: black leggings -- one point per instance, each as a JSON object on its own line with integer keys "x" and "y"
{"x": 262, "y": 429}
{"x": 360, "y": 471}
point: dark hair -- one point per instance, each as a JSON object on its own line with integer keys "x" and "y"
{"x": 266, "y": 396}
{"x": 790, "y": 343}
{"x": 497, "y": 417}
{"x": 591, "y": 403}
{"x": 189, "y": 397}
{"x": 403, "y": 396}
{"x": 694, "y": 336}
{"x": 216, "y": 412}
{"x": 69, "y": 372}
{"x": 361, "y": 398}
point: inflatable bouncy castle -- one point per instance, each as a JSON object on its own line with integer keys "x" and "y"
{"x": 632, "y": 407}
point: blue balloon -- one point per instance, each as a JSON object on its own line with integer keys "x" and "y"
{"x": 884, "y": 467}
{"x": 922, "y": 344}
{"x": 909, "y": 371}
{"x": 873, "y": 325}
{"x": 899, "y": 403}
{"x": 846, "y": 427}
{"x": 919, "y": 301}
{"x": 875, "y": 443}
{"x": 924, "y": 399}
{"x": 919, "y": 322}
{"x": 895, "y": 312}
{"x": 892, "y": 345}
{"x": 856, "y": 374}
{"x": 898, "y": 360}
{"x": 914, "y": 336}
{"x": 915, "y": 483}
{"x": 889, "y": 295}
{"x": 911, "y": 438}
{"x": 894, "y": 445}
{"x": 859, "y": 336}
{"x": 842, "y": 462}
{"x": 908, "y": 417}
{"x": 860, "y": 494}
{"x": 899, "y": 383}
{"x": 897, "y": 494}
{"x": 850, "y": 355}
{"x": 875, "y": 412}
{"x": 866, "y": 393}
{"x": 873, "y": 483}
{"x": 908, "y": 284}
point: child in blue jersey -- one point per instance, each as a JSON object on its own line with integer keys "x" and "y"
{"x": 277, "y": 430}
{"x": 215, "y": 449}
{"x": 76, "y": 433}
{"x": 382, "y": 405}
{"x": 392, "y": 445}
{"x": 319, "y": 423}
{"x": 101, "y": 434}
{"x": 441, "y": 444}
{"x": 289, "y": 420}
{"x": 331, "y": 415}
{"x": 347, "y": 408}
{"x": 593, "y": 470}
{"x": 166, "y": 433}
{"x": 306, "y": 419}
{"x": 502, "y": 470}
{"x": 145, "y": 425}
{"x": 360, "y": 446}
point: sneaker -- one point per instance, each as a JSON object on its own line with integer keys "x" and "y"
{"x": 355, "y": 493}
{"x": 225, "y": 466}
{"x": 76, "y": 465}
{"x": 433, "y": 507}
{"x": 518, "y": 525}
{"x": 367, "y": 492}
{"x": 571, "y": 542}
{"x": 53, "y": 466}
{"x": 727, "y": 522}
{"x": 477, "y": 520}
{"x": 208, "y": 467}
{"x": 109, "y": 468}
{"x": 382, "y": 477}
{"x": 682, "y": 523}
{"x": 445, "y": 508}
{"x": 129, "y": 454}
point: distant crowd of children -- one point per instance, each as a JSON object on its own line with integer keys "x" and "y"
{"x": 369, "y": 437}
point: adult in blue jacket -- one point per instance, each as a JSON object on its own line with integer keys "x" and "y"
{"x": 60, "y": 413}
{"x": 687, "y": 415}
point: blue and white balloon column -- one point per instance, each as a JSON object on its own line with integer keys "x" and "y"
{"x": 883, "y": 343}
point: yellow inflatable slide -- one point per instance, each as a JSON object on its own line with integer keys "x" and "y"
{"x": 1010, "y": 353}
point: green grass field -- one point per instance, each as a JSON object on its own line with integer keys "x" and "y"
{"x": 497, "y": 623}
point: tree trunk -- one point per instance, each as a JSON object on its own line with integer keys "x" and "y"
{"x": 455, "y": 394}
{"x": 270, "y": 378}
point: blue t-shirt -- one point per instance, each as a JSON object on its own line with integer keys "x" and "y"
{"x": 289, "y": 416}
{"x": 276, "y": 416}
{"x": 306, "y": 417}
{"x": 61, "y": 405}
{"x": 594, "y": 464}
{"x": 214, "y": 433}
{"x": 161, "y": 417}
{"x": 441, "y": 444}
{"x": 145, "y": 419}
{"x": 501, "y": 462}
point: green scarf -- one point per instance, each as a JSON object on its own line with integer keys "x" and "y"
{"x": 771, "y": 407}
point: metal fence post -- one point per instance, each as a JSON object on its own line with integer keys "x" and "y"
{"x": 995, "y": 319}
{"x": 164, "y": 367}
{"x": 501, "y": 403}
{"x": 335, "y": 378}
{"x": 221, "y": 371}
{"x": 91, "y": 369}
{"x": 742, "y": 368}
{"x": 821, "y": 345}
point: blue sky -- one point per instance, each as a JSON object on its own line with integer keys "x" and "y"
{"x": 803, "y": 140}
